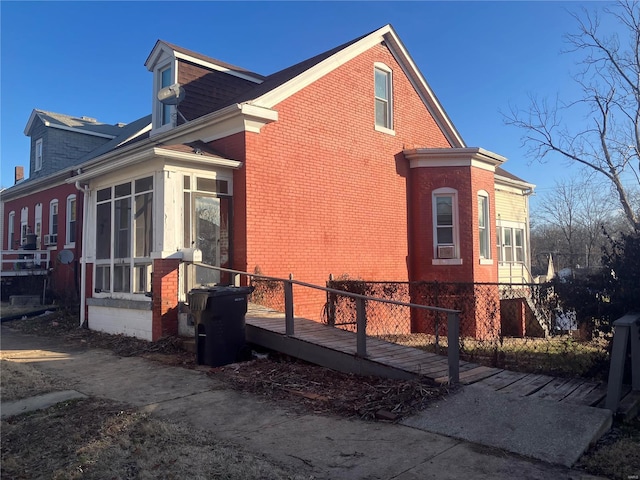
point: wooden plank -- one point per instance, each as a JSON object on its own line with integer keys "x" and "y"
{"x": 478, "y": 373}
{"x": 501, "y": 380}
{"x": 556, "y": 389}
{"x": 527, "y": 385}
{"x": 629, "y": 405}
{"x": 579, "y": 395}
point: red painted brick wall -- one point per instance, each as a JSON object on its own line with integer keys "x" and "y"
{"x": 64, "y": 278}
{"x": 325, "y": 192}
{"x": 165, "y": 298}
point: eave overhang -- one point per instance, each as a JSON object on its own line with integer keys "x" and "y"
{"x": 453, "y": 157}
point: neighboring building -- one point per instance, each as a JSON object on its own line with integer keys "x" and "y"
{"x": 345, "y": 163}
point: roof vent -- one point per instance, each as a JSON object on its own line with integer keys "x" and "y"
{"x": 88, "y": 119}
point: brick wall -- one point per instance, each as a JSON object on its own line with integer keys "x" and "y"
{"x": 64, "y": 277}
{"x": 325, "y": 192}
{"x": 165, "y": 298}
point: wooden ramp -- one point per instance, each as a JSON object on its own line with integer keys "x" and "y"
{"x": 335, "y": 348}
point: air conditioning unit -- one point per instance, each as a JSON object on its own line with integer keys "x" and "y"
{"x": 446, "y": 251}
{"x": 51, "y": 239}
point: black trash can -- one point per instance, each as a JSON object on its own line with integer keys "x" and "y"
{"x": 219, "y": 324}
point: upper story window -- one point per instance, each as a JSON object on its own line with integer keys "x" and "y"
{"x": 163, "y": 115}
{"x": 484, "y": 228}
{"x": 383, "y": 98}
{"x": 38, "y": 155}
{"x": 70, "y": 238}
{"x": 166, "y": 79}
{"x": 445, "y": 224}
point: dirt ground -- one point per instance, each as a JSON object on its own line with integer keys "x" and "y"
{"x": 121, "y": 437}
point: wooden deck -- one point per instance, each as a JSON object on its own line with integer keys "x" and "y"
{"x": 335, "y": 348}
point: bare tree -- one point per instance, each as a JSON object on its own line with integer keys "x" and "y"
{"x": 569, "y": 222}
{"x": 608, "y": 142}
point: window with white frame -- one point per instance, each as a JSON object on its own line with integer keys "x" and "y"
{"x": 383, "y": 97}
{"x": 445, "y": 223}
{"x": 38, "y": 155}
{"x": 164, "y": 76}
{"x": 38, "y": 226}
{"x": 53, "y": 222}
{"x": 484, "y": 230}
{"x": 124, "y": 236}
{"x": 11, "y": 232}
{"x": 24, "y": 226}
{"x": 511, "y": 244}
{"x": 70, "y": 233}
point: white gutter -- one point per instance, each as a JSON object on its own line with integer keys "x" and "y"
{"x": 83, "y": 262}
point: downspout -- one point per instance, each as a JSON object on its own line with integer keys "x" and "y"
{"x": 83, "y": 262}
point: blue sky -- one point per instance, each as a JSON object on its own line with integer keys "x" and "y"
{"x": 87, "y": 58}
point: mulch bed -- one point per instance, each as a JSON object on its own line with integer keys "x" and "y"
{"x": 301, "y": 385}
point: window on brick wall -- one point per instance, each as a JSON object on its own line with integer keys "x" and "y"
{"x": 484, "y": 230}
{"x": 445, "y": 224}
{"x": 71, "y": 212}
{"x": 38, "y": 155}
{"x": 11, "y": 232}
{"x": 53, "y": 222}
{"x": 124, "y": 237}
{"x": 383, "y": 98}
{"x": 24, "y": 226}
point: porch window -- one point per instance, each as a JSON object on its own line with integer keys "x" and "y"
{"x": 24, "y": 227}
{"x": 207, "y": 215}
{"x": 124, "y": 237}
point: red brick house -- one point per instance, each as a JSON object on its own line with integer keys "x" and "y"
{"x": 345, "y": 163}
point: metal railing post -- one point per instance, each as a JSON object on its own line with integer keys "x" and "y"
{"x": 236, "y": 279}
{"x": 453, "y": 346}
{"x": 361, "y": 327}
{"x": 288, "y": 305}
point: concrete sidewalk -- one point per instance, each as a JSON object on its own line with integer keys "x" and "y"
{"x": 320, "y": 445}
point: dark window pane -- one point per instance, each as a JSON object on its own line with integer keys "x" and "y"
{"x": 104, "y": 194}
{"x": 103, "y": 231}
{"x": 144, "y": 184}
{"x": 123, "y": 190}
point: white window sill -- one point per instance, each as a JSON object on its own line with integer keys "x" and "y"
{"x": 486, "y": 261}
{"x": 446, "y": 261}
{"x": 69, "y": 245}
{"x": 386, "y": 130}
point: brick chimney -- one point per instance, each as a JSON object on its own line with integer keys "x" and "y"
{"x": 19, "y": 175}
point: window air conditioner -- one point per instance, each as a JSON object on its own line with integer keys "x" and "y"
{"x": 51, "y": 239}
{"x": 446, "y": 251}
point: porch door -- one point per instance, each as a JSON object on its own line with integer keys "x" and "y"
{"x": 211, "y": 236}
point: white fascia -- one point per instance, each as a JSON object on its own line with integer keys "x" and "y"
{"x": 454, "y": 157}
{"x": 397, "y": 49}
{"x": 513, "y": 186}
{"x": 152, "y": 153}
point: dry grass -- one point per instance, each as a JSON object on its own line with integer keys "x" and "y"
{"x": 98, "y": 439}
{"x": 562, "y": 356}
{"x": 19, "y": 380}
{"x": 617, "y": 455}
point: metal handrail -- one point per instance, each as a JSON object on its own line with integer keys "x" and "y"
{"x": 453, "y": 316}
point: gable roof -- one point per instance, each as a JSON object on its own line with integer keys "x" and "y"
{"x": 199, "y": 59}
{"x": 85, "y": 125}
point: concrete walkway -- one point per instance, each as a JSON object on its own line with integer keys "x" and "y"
{"x": 320, "y": 445}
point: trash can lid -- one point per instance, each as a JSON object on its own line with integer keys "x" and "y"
{"x": 220, "y": 291}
